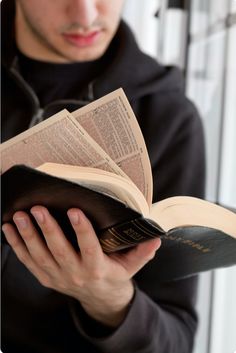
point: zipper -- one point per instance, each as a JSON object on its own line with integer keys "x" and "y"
{"x": 38, "y": 115}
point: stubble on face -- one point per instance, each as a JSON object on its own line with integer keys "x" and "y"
{"x": 44, "y": 40}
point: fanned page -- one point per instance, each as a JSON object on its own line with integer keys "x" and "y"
{"x": 183, "y": 211}
{"x": 59, "y": 139}
{"x": 110, "y": 121}
{"x": 102, "y": 181}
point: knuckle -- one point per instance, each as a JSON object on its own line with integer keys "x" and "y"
{"x": 97, "y": 274}
{"x": 45, "y": 281}
{"x": 77, "y": 282}
{"x": 60, "y": 253}
{"x": 22, "y": 257}
{"x": 30, "y": 267}
{"x": 47, "y": 229}
{"x": 61, "y": 286}
{"x": 27, "y": 235}
{"x": 90, "y": 250}
{"x": 43, "y": 263}
{"x": 15, "y": 244}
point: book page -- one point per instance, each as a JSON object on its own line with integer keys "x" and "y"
{"x": 182, "y": 211}
{"x": 111, "y": 122}
{"x": 59, "y": 139}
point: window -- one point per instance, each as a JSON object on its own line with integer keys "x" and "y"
{"x": 211, "y": 84}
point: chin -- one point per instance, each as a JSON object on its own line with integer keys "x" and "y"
{"x": 89, "y": 53}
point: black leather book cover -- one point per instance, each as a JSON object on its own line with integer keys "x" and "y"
{"x": 184, "y": 251}
{"x": 193, "y": 249}
{"x": 24, "y": 187}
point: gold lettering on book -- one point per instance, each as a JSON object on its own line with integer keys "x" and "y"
{"x": 109, "y": 244}
{"x": 117, "y": 235}
{"x": 133, "y": 234}
{"x": 193, "y": 244}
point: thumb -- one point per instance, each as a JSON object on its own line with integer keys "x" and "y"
{"x": 140, "y": 255}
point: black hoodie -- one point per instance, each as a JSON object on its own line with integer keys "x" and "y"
{"x": 161, "y": 318}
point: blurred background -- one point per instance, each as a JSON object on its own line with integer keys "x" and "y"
{"x": 199, "y": 36}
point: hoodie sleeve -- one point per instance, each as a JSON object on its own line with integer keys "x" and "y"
{"x": 162, "y": 316}
{"x": 149, "y": 327}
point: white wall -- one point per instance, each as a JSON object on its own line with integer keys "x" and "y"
{"x": 139, "y": 15}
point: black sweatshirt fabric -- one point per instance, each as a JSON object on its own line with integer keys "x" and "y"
{"x": 162, "y": 317}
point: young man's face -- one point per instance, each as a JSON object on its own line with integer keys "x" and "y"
{"x": 66, "y": 30}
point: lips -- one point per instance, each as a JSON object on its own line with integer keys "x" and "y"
{"x": 82, "y": 40}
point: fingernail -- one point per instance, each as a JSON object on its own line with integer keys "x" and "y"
{"x": 4, "y": 229}
{"x": 7, "y": 233}
{"x": 74, "y": 217}
{"x": 39, "y": 216}
{"x": 21, "y": 222}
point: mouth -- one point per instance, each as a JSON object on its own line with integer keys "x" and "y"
{"x": 82, "y": 40}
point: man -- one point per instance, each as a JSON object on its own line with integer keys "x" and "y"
{"x": 66, "y": 53}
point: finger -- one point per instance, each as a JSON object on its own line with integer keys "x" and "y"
{"x": 60, "y": 248}
{"x": 35, "y": 245}
{"x": 90, "y": 248}
{"x": 139, "y": 256}
{"x": 19, "y": 248}
{"x": 12, "y": 237}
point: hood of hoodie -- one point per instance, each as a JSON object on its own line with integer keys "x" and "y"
{"x": 138, "y": 78}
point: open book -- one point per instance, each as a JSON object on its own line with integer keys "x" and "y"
{"x": 96, "y": 159}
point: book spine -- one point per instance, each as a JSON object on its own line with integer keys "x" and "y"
{"x": 129, "y": 234}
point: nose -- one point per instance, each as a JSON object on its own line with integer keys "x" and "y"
{"x": 83, "y": 11}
